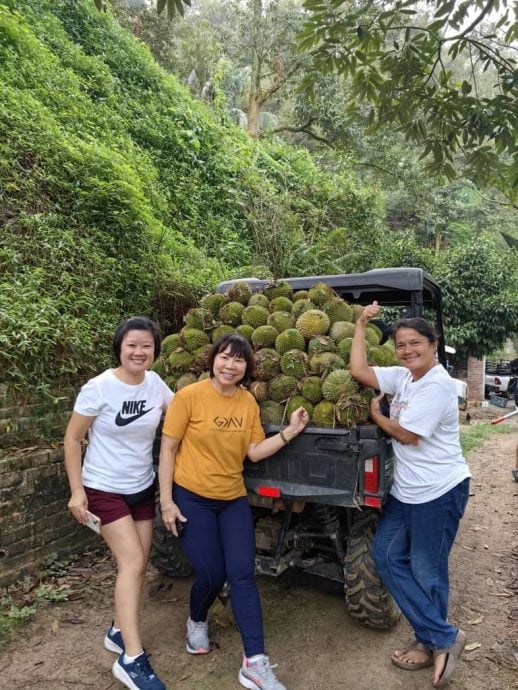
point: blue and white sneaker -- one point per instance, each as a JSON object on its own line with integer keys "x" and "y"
{"x": 138, "y": 674}
{"x": 113, "y": 641}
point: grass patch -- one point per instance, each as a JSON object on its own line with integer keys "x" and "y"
{"x": 474, "y": 436}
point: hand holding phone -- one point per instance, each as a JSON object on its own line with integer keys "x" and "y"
{"x": 93, "y": 522}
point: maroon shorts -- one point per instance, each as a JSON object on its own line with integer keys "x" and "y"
{"x": 110, "y": 506}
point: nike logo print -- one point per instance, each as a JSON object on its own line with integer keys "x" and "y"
{"x": 123, "y": 421}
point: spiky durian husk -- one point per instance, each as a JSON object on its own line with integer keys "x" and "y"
{"x": 259, "y": 299}
{"x": 179, "y": 362}
{"x": 255, "y": 316}
{"x": 341, "y": 329}
{"x": 213, "y": 302}
{"x": 357, "y": 311}
{"x": 311, "y": 389}
{"x": 375, "y": 357}
{"x": 324, "y": 414}
{"x": 171, "y": 381}
{"x": 344, "y": 349}
{"x": 321, "y": 343}
{"x": 230, "y": 313}
{"x": 282, "y": 387}
{"x": 324, "y": 362}
{"x": 260, "y": 390}
{"x": 240, "y": 292}
{"x": 298, "y": 401}
{"x": 278, "y": 288}
{"x": 337, "y": 385}
{"x": 220, "y": 331}
{"x": 200, "y": 358}
{"x": 170, "y": 343}
{"x": 338, "y": 310}
{"x": 246, "y": 331}
{"x": 301, "y": 306}
{"x": 272, "y": 412}
{"x": 281, "y": 304}
{"x": 300, "y": 294}
{"x": 313, "y": 322}
{"x": 281, "y": 320}
{"x": 204, "y": 375}
{"x": 320, "y": 293}
{"x": 264, "y": 336}
{"x": 371, "y": 336}
{"x": 191, "y": 338}
{"x": 295, "y": 363}
{"x": 352, "y": 411}
{"x": 158, "y": 367}
{"x": 267, "y": 364}
{"x": 185, "y": 380}
{"x": 200, "y": 318}
{"x": 290, "y": 339}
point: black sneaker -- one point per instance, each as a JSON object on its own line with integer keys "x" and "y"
{"x": 138, "y": 674}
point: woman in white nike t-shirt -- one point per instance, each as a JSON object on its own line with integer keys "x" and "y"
{"x": 121, "y": 409}
{"x": 429, "y": 493}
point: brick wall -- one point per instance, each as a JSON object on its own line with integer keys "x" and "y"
{"x": 476, "y": 368}
{"x": 34, "y": 520}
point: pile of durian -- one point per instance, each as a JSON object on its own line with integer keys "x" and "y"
{"x": 302, "y": 343}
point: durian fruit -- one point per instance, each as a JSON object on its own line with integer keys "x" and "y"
{"x": 338, "y": 385}
{"x": 267, "y": 364}
{"x": 186, "y": 380}
{"x": 371, "y": 335}
{"x": 260, "y": 390}
{"x": 300, "y": 294}
{"x": 344, "y": 349}
{"x": 376, "y": 330}
{"x": 352, "y": 411}
{"x": 191, "y": 338}
{"x": 199, "y": 318}
{"x": 213, "y": 302}
{"x": 320, "y": 293}
{"x": 281, "y": 320}
{"x": 298, "y": 401}
{"x": 321, "y": 343}
{"x": 230, "y": 313}
{"x": 357, "y": 311}
{"x": 278, "y": 288}
{"x": 170, "y": 343}
{"x": 204, "y": 375}
{"x": 375, "y": 357}
{"x": 313, "y": 322}
{"x": 240, "y": 292}
{"x": 255, "y": 316}
{"x": 389, "y": 354}
{"x": 260, "y": 299}
{"x": 295, "y": 363}
{"x": 300, "y": 306}
{"x": 324, "y": 414}
{"x": 311, "y": 388}
{"x": 280, "y": 304}
{"x": 325, "y": 362}
{"x": 338, "y": 310}
{"x": 264, "y": 336}
{"x": 171, "y": 381}
{"x": 290, "y": 339}
{"x": 220, "y": 331}
{"x": 200, "y": 358}
{"x": 179, "y": 361}
{"x": 272, "y": 412}
{"x": 282, "y": 387}
{"x": 246, "y": 331}
{"x": 159, "y": 368}
{"x": 341, "y": 329}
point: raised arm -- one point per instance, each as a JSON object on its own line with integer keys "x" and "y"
{"x": 258, "y": 451}
{"x": 358, "y": 366}
{"x": 74, "y": 434}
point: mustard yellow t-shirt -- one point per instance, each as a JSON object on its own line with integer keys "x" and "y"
{"x": 215, "y": 432}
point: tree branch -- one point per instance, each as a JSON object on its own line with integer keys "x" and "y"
{"x": 265, "y": 95}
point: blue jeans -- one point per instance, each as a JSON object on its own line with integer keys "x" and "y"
{"x": 411, "y": 549}
{"x": 219, "y": 541}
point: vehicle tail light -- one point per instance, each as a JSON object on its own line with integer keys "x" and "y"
{"x": 371, "y": 477}
{"x": 269, "y": 491}
{"x": 372, "y": 501}
{"x": 497, "y": 381}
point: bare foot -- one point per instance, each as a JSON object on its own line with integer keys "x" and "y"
{"x": 413, "y": 656}
{"x": 439, "y": 662}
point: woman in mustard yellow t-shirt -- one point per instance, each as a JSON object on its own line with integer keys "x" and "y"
{"x": 209, "y": 429}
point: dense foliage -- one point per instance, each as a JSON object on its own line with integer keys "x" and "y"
{"x": 119, "y": 194}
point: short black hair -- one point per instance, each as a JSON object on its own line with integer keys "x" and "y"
{"x": 136, "y": 323}
{"x": 417, "y": 324}
{"x": 237, "y": 345}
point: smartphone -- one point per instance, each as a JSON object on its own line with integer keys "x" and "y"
{"x": 93, "y": 522}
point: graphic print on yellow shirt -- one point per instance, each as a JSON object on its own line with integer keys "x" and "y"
{"x": 215, "y": 432}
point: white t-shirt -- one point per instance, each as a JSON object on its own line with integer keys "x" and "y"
{"x": 429, "y": 408}
{"x": 120, "y": 441}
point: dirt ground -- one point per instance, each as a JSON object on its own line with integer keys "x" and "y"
{"x": 308, "y": 631}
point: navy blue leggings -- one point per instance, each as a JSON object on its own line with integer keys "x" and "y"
{"x": 219, "y": 541}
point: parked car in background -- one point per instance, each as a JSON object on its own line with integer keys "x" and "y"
{"x": 500, "y": 378}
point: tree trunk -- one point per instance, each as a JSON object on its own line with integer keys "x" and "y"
{"x": 254, "y": 97}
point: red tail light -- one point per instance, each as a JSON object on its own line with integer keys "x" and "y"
{"x": 269, "y": 491}
{"x": 371, "y": 476}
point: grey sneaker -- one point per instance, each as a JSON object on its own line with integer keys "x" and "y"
{"x": 197, "y": 637}
{"x": 259, "y": 675}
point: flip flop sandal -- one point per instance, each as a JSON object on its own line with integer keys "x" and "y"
{"x": 408, "y": 665}
{"x": 454, "y": 653}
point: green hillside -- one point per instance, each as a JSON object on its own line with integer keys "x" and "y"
{"x": 119, "y": 194}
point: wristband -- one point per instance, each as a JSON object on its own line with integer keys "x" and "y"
{"x": 283, "y": 437}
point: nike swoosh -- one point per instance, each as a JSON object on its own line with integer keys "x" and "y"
{"x": 123, "y": 421}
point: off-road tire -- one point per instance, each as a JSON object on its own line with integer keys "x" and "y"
{"x": 367, "y": 599}
{"x": 167, "y": 554}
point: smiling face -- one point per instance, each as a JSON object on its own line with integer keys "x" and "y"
{"x": 137, "y": 353}
{"x": 228, "y": 370}
{"x": 415, "y": 351}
